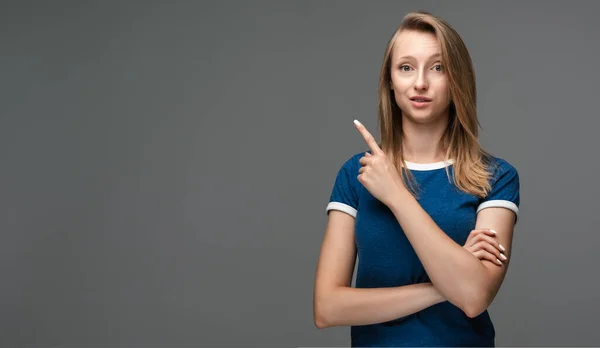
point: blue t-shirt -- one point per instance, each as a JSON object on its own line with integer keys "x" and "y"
{"x": 387, "y": 259}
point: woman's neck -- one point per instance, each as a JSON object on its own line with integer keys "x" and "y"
{"x": 422, "y": 143}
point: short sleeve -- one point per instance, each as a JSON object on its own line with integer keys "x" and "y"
{"x": 505, "y": 189}
{"x": 344, "y": 195}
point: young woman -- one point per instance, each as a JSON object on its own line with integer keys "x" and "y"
{"x": 428, "y": 212}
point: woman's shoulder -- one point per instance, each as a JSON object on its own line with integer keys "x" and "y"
{"x": 352, "y": 161}
{"x": 502, "y": 172}
{"x": 500, "y": 165}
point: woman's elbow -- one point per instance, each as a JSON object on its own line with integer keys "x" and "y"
{"x": 322, "y": 312}
{"x": 320, "y": 318}
{"x": 475, "y": 306}
{"x": 320, "y": 322}
{"x": 474, "y": 310}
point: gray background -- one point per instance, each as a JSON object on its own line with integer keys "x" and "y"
{"x": 166, "y": 165}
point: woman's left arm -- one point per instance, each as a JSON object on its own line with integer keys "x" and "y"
{"x": 464, "y": 280}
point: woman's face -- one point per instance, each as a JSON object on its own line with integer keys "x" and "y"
{"x": 419, "y": 80}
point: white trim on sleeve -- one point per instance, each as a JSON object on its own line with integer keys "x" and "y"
{"x": 499, "y": 203}
{"x": 342, "y": 207}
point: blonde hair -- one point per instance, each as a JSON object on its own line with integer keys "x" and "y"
{"x": 470, "y": 162}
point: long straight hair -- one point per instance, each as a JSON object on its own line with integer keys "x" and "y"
{"x": 471, "y": 172}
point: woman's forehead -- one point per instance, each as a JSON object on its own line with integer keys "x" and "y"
{"x": 416, "y": 45}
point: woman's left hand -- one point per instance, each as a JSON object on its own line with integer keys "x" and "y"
{"x": 378, "y": 173}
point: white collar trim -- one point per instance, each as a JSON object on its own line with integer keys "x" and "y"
{"x": 428, "y": 166}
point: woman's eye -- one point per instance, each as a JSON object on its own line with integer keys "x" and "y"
{"x": 405, "y": 68}
{"x": 438, "y": 67}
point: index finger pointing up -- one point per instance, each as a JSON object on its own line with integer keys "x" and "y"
{"x": 369, "y": 139}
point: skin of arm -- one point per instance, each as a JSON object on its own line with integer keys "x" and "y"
{"x": 336, "y": 303}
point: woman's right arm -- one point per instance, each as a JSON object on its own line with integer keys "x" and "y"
{"x": 336, "y": 303}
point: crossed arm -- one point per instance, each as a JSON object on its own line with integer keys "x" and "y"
{"x": 464, "y": 280}
{"x": 336, "y": 303}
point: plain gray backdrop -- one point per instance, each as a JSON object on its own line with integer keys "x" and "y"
{"x": 166, "y": 164}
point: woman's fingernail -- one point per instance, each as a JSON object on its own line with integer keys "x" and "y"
{"x": 356, "y": 122}
{"x": 503, "y": 256}
{"x": 499, "y": 262}
{"x": 501, "y": 247}
{"x": 493, "y": 231}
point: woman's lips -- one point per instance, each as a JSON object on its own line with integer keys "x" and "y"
{"x": 420, "y": 101}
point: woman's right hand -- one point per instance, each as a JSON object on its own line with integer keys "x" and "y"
{"x": 483, "y": 244}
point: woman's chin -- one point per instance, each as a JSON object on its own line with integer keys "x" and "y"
{"x": 426, "y": 115}
{"x": 422, "y": 117}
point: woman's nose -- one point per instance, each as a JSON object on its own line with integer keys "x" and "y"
{"x": 421, "y": 81}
